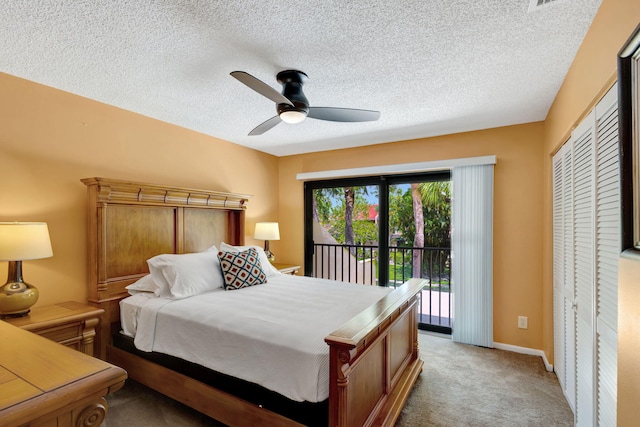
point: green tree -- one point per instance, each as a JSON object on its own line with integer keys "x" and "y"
{"x": 436, "y": 199}
{"x": 401, "y": 223}
{"x": 343, "y": 211}
{"x": 437, "y": 227}
{"x": 322, "y": 204}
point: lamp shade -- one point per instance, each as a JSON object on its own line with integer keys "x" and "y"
{"x": 24, "y": 240}
{"x": 267, "y": 231}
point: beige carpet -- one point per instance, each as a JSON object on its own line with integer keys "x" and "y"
{"x": 461, "y": 385}
{"x": 464, "y": 385}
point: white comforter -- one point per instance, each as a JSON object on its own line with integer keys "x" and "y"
{"x": 271, "y": 334}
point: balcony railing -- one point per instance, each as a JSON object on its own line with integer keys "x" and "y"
{"x": 359, "y": 264}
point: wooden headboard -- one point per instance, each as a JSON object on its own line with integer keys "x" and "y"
{"x": 130, "y": 222}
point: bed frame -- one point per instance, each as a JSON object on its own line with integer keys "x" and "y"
{"x": 373, "y": 358}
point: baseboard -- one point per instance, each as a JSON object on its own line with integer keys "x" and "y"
{"x": 525, "y": 350}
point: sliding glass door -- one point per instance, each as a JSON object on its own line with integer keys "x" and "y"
{"x": 420, "y": 243}
{"x": 383, "y": 231}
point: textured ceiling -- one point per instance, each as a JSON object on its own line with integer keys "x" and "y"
{"x": 430, "y": 67}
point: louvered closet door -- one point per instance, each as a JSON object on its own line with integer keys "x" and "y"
{"x": 558, "y": 267}
{"x": 607, "y": 251}
{"x": 564, "y": 272}
{"x": 586, "y": 227}
{"x": 568, "y": 289}
{"x": 584, "y": 251}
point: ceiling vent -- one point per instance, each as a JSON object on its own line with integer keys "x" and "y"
{"x": 542, "y": 4}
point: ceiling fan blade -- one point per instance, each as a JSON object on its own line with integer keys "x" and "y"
{"x": 260, "y": 87}
{"x": 265, "y": 126}
{"x": 343, "y": 114}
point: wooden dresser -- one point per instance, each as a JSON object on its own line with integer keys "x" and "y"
{"x": 45, "y": 384}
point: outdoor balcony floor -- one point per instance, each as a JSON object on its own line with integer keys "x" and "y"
{"x": 435, "y": 308}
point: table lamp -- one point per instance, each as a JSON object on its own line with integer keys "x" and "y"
{"x": 267, "y": 231}
{"x": 21, "y": 241}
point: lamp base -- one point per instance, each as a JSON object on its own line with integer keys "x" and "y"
{"x": 16, "y": 296}
{"x": 270, "y": 256}
{"x": 14, "y": 315}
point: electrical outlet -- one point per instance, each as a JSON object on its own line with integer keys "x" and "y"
{"x": 523, "y": 322}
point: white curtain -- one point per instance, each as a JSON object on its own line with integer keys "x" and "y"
{"x": 472, "y": 255}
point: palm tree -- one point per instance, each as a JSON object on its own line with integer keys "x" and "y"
{"x": 418, "y": 239}
{"x": 436, "y": 199}
{"x": 322, "y": 201}
{"x": 349, "y": 235}
{"x": 434, "y": 193}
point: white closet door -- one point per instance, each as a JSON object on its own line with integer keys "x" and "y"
{"x": 568, "y": 289}
{"x": 586, "y": 227}
{"x": 558, "y": 268}
{"x": 607, "y": 251}
{"x": 584, "y": 251}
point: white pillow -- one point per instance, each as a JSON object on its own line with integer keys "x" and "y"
{"x": 267, "y": 267}
{"x": 187, "y": 274}
{"x": 146, "y": 284}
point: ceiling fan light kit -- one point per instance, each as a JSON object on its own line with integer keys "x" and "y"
{"x": 293, "y": 107}
{"x": 292, "y": 116}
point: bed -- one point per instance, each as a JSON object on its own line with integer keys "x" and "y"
{"x": 373, "y": 356}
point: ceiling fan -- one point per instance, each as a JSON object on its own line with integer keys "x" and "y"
{"x": 292, "y": 106}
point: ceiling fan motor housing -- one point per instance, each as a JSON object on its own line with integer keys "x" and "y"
{"x": 292, "y": 81}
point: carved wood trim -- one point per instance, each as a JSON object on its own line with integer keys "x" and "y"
{"x": 91, "y": 415}
{"x": 127, "y": 192}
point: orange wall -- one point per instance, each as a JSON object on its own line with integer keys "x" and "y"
{"x": 591, "y": 74}
{"x": 50, "y": 139}
{"x": 517, "y": 208}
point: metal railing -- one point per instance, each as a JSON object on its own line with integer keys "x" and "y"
{"x": 359, "y": 264}
{"x": 346, "y": 263}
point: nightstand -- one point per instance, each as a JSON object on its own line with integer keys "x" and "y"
{"x": 68, "y": 323}
{"x": 287, "y": 268}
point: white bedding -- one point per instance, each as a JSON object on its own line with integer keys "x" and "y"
{"x": 271, "y": 334}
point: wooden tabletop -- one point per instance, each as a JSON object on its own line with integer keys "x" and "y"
{"x": 38, "y": 376}
{"x": 48, "y": 315}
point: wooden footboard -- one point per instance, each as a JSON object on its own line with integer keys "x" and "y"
{"x": 374, "y": 361}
